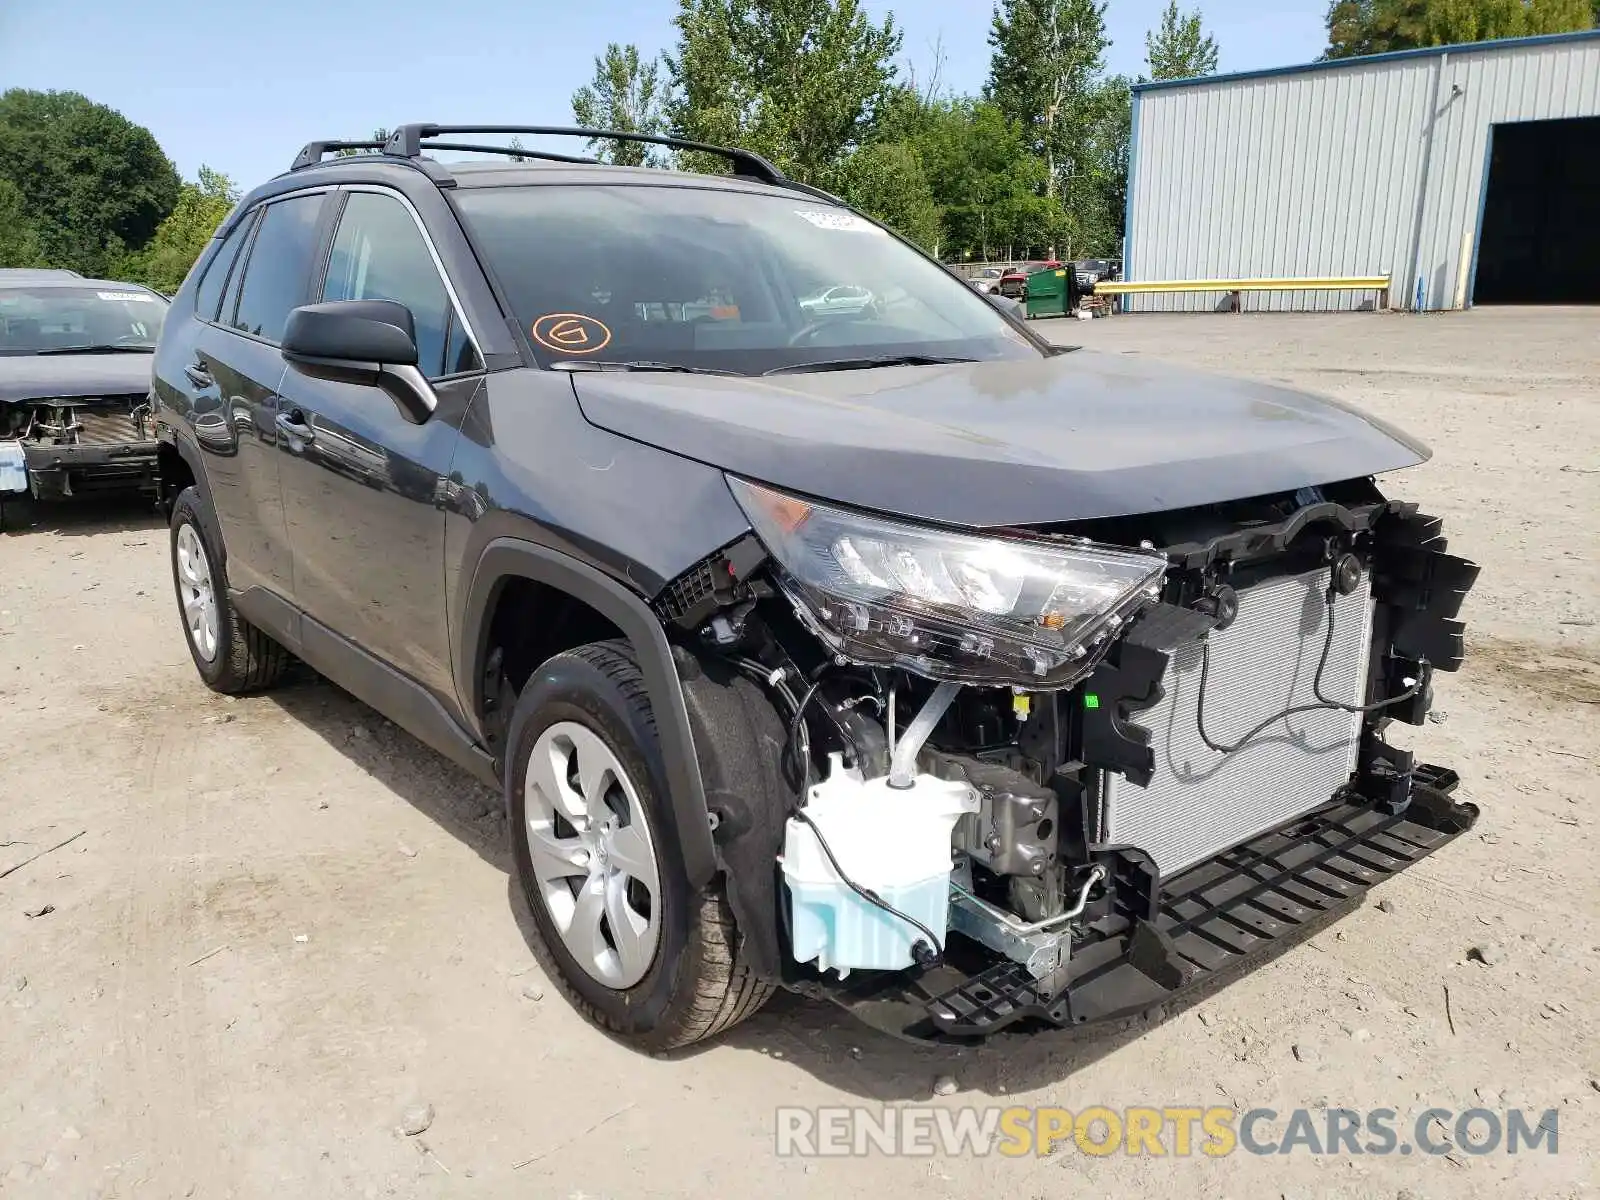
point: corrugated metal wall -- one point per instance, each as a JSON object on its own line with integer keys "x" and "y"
{"x": 1319, "y": 171}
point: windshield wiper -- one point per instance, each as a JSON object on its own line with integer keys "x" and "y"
{"x": 98, "y": 348}
{"x": 862, "y": 364}
{"x": 590, "y": 364}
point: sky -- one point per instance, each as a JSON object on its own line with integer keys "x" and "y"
{"x": 241, "y": 87}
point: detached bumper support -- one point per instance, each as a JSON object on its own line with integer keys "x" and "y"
{"x": 1236, "y": 910}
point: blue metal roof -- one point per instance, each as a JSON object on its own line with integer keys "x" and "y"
{"x": 1335, "y": 63}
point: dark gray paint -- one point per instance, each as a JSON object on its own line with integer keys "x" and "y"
{"x": 58, "y": 376}
{"x": 1067, "y": 438}
{"x": 378, "y": 550}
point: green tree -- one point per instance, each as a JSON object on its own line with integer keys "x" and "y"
{"x": 628, "y": 95}
{"x": 179, "y": 239}
{"x": 801, "y": 81}
{"x": 19, "y": 241}
{"x": 1045, "y": 61}
{"x": 92, "y": 182}
{"x": 1097, "y": 195}
{"x": 1358, "y": 27}
{"x": 887, "y": 181}
{"x": 1179, "y": 49}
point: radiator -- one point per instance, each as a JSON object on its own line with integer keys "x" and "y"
{"x": 1199, "y": 801}
{"x": 108, "y": 427}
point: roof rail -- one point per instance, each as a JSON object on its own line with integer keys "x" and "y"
{"x": 314, "y": 152}
{"x": 407, "y": 142}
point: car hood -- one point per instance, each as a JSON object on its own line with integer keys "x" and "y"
{"x": 50, "y": 376}
{"x": 1075, "y": 436}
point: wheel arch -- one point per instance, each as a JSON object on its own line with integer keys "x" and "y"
{"x": 509, "y": 564}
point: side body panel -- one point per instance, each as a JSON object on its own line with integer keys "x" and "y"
{"x": 216, "y": 401}
{"x": 538, "y": 492}
{"x": 364, "y": 506}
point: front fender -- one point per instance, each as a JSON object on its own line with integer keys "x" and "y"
{"x": 506, "y": 558}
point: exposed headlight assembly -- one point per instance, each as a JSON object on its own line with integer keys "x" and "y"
{"x": 947, "y": 605}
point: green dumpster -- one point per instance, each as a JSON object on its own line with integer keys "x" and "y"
{"x": 1051, "y": 292}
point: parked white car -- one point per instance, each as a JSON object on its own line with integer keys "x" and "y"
{"x": 986, "y": 280}
{"x": 842, "y": 298}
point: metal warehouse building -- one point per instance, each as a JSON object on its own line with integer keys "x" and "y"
{"x": 1469, "y": 174}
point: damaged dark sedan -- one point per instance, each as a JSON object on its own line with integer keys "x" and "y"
{"x": 75, "y": 416}
{"x": 892, "y": 656}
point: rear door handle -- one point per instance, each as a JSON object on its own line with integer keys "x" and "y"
{"x": 198, "y": 375}
{"x": 293, "y": 424}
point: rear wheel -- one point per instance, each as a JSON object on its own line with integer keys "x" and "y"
{"x": 597, "y": 854}
{"x": 231, "y": 655}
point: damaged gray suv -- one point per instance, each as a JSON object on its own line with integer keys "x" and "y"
{"x": 884, "y": 653}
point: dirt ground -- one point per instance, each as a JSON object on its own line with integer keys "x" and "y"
{"x": 285, "y": 921}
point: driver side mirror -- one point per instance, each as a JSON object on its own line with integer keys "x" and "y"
{"x": 371, "y": 342}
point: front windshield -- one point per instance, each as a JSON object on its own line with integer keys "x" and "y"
{"x": 713, "y": 279}
{"x": 58, "y": 320}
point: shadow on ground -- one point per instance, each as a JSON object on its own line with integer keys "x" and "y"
{"x": 818, "y": 1038}
{"x": 83, "y": 517}
{"x": 427, "y": 781}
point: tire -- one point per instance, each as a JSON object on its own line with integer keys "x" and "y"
{"x": 693, "y": 985}
{"x": 232, "y": 655}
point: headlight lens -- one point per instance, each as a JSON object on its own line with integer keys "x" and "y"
{"x": 950, "y": 605}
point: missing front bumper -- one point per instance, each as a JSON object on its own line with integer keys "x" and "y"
{"x": 1232, "y": 912}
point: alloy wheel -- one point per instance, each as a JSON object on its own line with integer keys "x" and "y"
{"x": 196, "y": 592}
{"x": 593, "y": 855}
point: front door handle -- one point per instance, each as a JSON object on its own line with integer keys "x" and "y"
{"x": 294, "y": 424}
{"x": 198, "y": 375}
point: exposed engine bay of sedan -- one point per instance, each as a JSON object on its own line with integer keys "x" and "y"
{"x": 1059, "y": 774}
{"x": 87, "y": 443}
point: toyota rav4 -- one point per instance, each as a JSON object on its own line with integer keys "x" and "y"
{"x": 885, "y": 653}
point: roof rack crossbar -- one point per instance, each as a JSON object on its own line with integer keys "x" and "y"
{"x": 314, "y": 152}
{"x": 407, "y": 140}
{"x": 514, "y": 152}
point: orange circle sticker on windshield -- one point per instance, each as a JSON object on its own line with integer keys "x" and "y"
{"x": 570, "y": 333}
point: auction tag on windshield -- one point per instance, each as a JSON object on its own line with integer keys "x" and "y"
{"x": 136, "y": 297}
{"x": 837, "y": 220}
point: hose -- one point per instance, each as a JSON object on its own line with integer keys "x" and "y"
{"x": 903, "y": 762}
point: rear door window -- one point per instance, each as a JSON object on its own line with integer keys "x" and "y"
{"x": 278, "y": 273}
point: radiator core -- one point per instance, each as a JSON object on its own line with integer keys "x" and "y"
{"x": 1200, "y": 801}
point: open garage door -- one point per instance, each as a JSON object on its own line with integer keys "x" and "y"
{"x": 1540, "y": 242}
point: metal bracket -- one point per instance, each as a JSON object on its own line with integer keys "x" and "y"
{"x": 1042, "y": 947}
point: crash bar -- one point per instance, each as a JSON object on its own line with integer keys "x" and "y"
{"x": 1316, "y": 283}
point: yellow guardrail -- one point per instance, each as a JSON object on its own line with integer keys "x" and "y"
{"x": 1318, "y": 283}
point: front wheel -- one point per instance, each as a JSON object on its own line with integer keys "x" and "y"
{"x": 597, "y": 855}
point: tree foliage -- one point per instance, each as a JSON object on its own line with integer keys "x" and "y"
{"x": 1045, "y": 62}
{"x": 1180, "y": 48}
{"x": 1357, "y": 27}
{"x": 886, "y": 179}
{"x": 179, "y": 239}
{"x": 19, "y": 241}
{"x": 1036, "y": 165}
{"x": 627, "y": 94}
{"x": 800, "y": 81}
{"x": 93, "y": 183}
